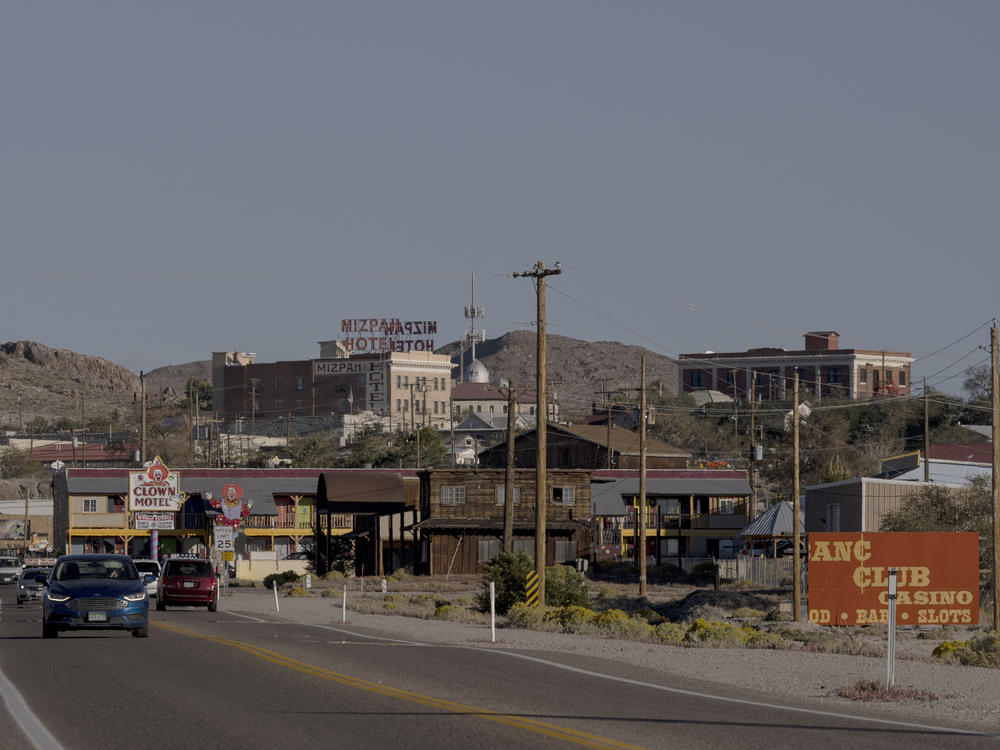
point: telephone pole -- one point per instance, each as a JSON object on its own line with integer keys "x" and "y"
{"x": 508, "y": 479}
{"x": 996, "y": 482}
{"x": 642, "y": 481}
{"x": 142, "y": 406}
{"x": 539, "y": 272}
{"x": 796, "y": 536}
{"x": 927, "y": 438}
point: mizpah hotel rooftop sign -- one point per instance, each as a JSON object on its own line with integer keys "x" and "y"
{"x": 379, "y": 335}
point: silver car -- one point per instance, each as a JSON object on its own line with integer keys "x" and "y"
{"x": 27, "y": 587}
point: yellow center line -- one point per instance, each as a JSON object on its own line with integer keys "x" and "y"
{"x": 521, "y": 722}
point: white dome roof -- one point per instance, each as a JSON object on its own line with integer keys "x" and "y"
{"x": 476, "y": 372}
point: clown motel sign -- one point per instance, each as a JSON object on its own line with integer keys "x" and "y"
{"x": 155, "y": 488}
{"x": 937, "y": 578}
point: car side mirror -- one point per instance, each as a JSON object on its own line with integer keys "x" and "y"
{"x": 42, "y": 579}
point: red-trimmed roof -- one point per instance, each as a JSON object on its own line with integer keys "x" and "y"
{"x": 669, "y": 474}
{"x": 980, "y": 453}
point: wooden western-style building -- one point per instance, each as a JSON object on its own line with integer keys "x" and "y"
{"x": 462, "y": 512}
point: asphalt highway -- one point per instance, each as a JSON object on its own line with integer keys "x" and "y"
{"x": 231, "y": 679}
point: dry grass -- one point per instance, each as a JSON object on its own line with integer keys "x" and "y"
{"x": 870, "y": 690}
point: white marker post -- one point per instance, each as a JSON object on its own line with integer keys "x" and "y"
{"x": 493, "y": 612}
{"x": 343, "y": 610}
{"x": 891, "y": 674}
{"x": 274, "y": 585}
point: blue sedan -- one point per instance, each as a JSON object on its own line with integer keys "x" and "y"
{"x": 86, "y": 592}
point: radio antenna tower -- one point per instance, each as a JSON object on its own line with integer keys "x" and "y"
{"x": 472, "y": 336}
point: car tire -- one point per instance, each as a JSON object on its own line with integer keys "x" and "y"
{"x": 49, "y": 631}
{"x": 160, "y": 604}
{"x": 140, "y": 633}
{"x": 213, "y": 605}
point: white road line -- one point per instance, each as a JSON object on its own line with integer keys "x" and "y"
{"x": 33, "y": 729}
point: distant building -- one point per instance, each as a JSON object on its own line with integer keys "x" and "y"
{"x": 477, "y": 395}
{"x": 825, "y": 370}
{"x": 412, "y": 389}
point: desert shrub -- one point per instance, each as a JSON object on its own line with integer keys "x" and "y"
{"x": 604, "y": 592}
{"x": 448, "y": 612}
{"x": 776, "y": 615}
{"x": 334, "y": 575}
{"x": 702, "y": 631}
{"x": 422, "y": 599}
{"x": 565, "y": 587}
{"x": 572, "y": 619}
{"x": 870, "y": 690}
{"x": 440, "y": 601}
{"x": 328, "y": 593}
{"x": 763, "y": 639}
{"x": 399, "y": 574}
{"x": 392, "y": 598}
{"x": 287, "y": 576}
{"x": 297, "y": 591}
{"x": 982, "y": 650}
{"x": 507, "y": 571}
{"x": 616, "y": 623}
{"x": 669, "y": 632}
{"x": 748, "y": 613}
{"x": 520, "y": 615}
{"x": 704, "y": 573}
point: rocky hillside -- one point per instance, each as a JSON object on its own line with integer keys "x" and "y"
{"x": 37, "y": 381}
{"x": 578, "y": 371}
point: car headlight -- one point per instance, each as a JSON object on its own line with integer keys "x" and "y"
{"x": 138, "y": 596}
{"x": 57, "y": 597}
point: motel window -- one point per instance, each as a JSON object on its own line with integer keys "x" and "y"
{"x": 501, "y": 494}
{"x": 298, "y": 406}
{"x": 697, "y": 380}
{"x": 726, "y": 506}
{"x": 833, "y": 375}
{"x": 888, "y": 377}
{"x": 279, "y": 383}
{"x": 863, "y": 376}
{"x": 563, "y": 495}
{"x": 453, "y": 495}
{"x": 90, "y": 505}
{"x": 279, "y": 408}
{"x": 525, "y": 545}
{"x": 902, "y": 377}
{"x": 833, "y": 517}
{"x": 488, "y": 549}
{"x": 298, "y": 382}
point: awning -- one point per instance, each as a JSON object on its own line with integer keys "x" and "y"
{"x": 488, "y": 524}
{"x": 360, "y": 491}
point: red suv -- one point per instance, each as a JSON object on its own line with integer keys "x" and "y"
{"x": 187, "y": 581}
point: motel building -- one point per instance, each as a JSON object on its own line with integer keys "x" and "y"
{"x": 91, "y": 512}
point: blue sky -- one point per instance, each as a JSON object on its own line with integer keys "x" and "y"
{"x": 188, "y": 177}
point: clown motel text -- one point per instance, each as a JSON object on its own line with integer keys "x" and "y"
{"x": 937, "y": 578}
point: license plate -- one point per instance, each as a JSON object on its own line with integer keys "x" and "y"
{"x": 189, "y": 584}
{"x": 97, "y": 617}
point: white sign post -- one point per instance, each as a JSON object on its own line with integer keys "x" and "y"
{"x": 223, "y": 538}
{"x": 891, "y": 675}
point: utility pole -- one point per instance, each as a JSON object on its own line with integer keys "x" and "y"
{"x": 796, "y": 536}
{"x": 541, "y": 412}
{"x": 142, "y": 406}
{"x": 508, "y": 479}
{"x": 642, "y": 481}
{"x": 753, "y": 446}
{"x": 996, "y": 482}
{"x": 254, "y": 382}
{"x": 927, "y": 438}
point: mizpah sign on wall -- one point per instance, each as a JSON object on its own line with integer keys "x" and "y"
{"x": 374, "y": 335}
{"x": 937, "y": 576}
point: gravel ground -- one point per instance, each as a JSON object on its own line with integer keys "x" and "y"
{"x": 965, "y": 695}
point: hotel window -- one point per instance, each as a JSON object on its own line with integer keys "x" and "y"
{"x": 298, "y": 407}
{"x": 298, "y": 382}
{"x": 888, "y": 377}
{"x": 501, "y": 494}
{"x": 833, "y": 375}
{"x": 279, "y": 383}
{"x": 453, "y": 495}
{"x": 697, "y": 380}
{"x": 902, "y": 377}
{"x": 399, "y": 405}
{"x": 863, "y": 376}
{"x": 279, "y": 408}
{"x": 488, "y": 549}
{"x": 399, "y": 381}
{"x": 563, "y": 496}
{"x": 726, "y": 506}
{"x": 90, "y": 505}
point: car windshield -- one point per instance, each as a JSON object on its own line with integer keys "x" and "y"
{"x": 72, "y": 570}
{"x": 8, "y": 562}
{"x": 30, "y": 573}
{"x": 188, "y": 568}
{"x": 148, "y": 567}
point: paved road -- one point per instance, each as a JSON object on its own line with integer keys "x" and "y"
{"x": 220, "y": 680}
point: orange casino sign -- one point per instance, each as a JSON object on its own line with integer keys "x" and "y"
{"x": 937, "y": 578}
